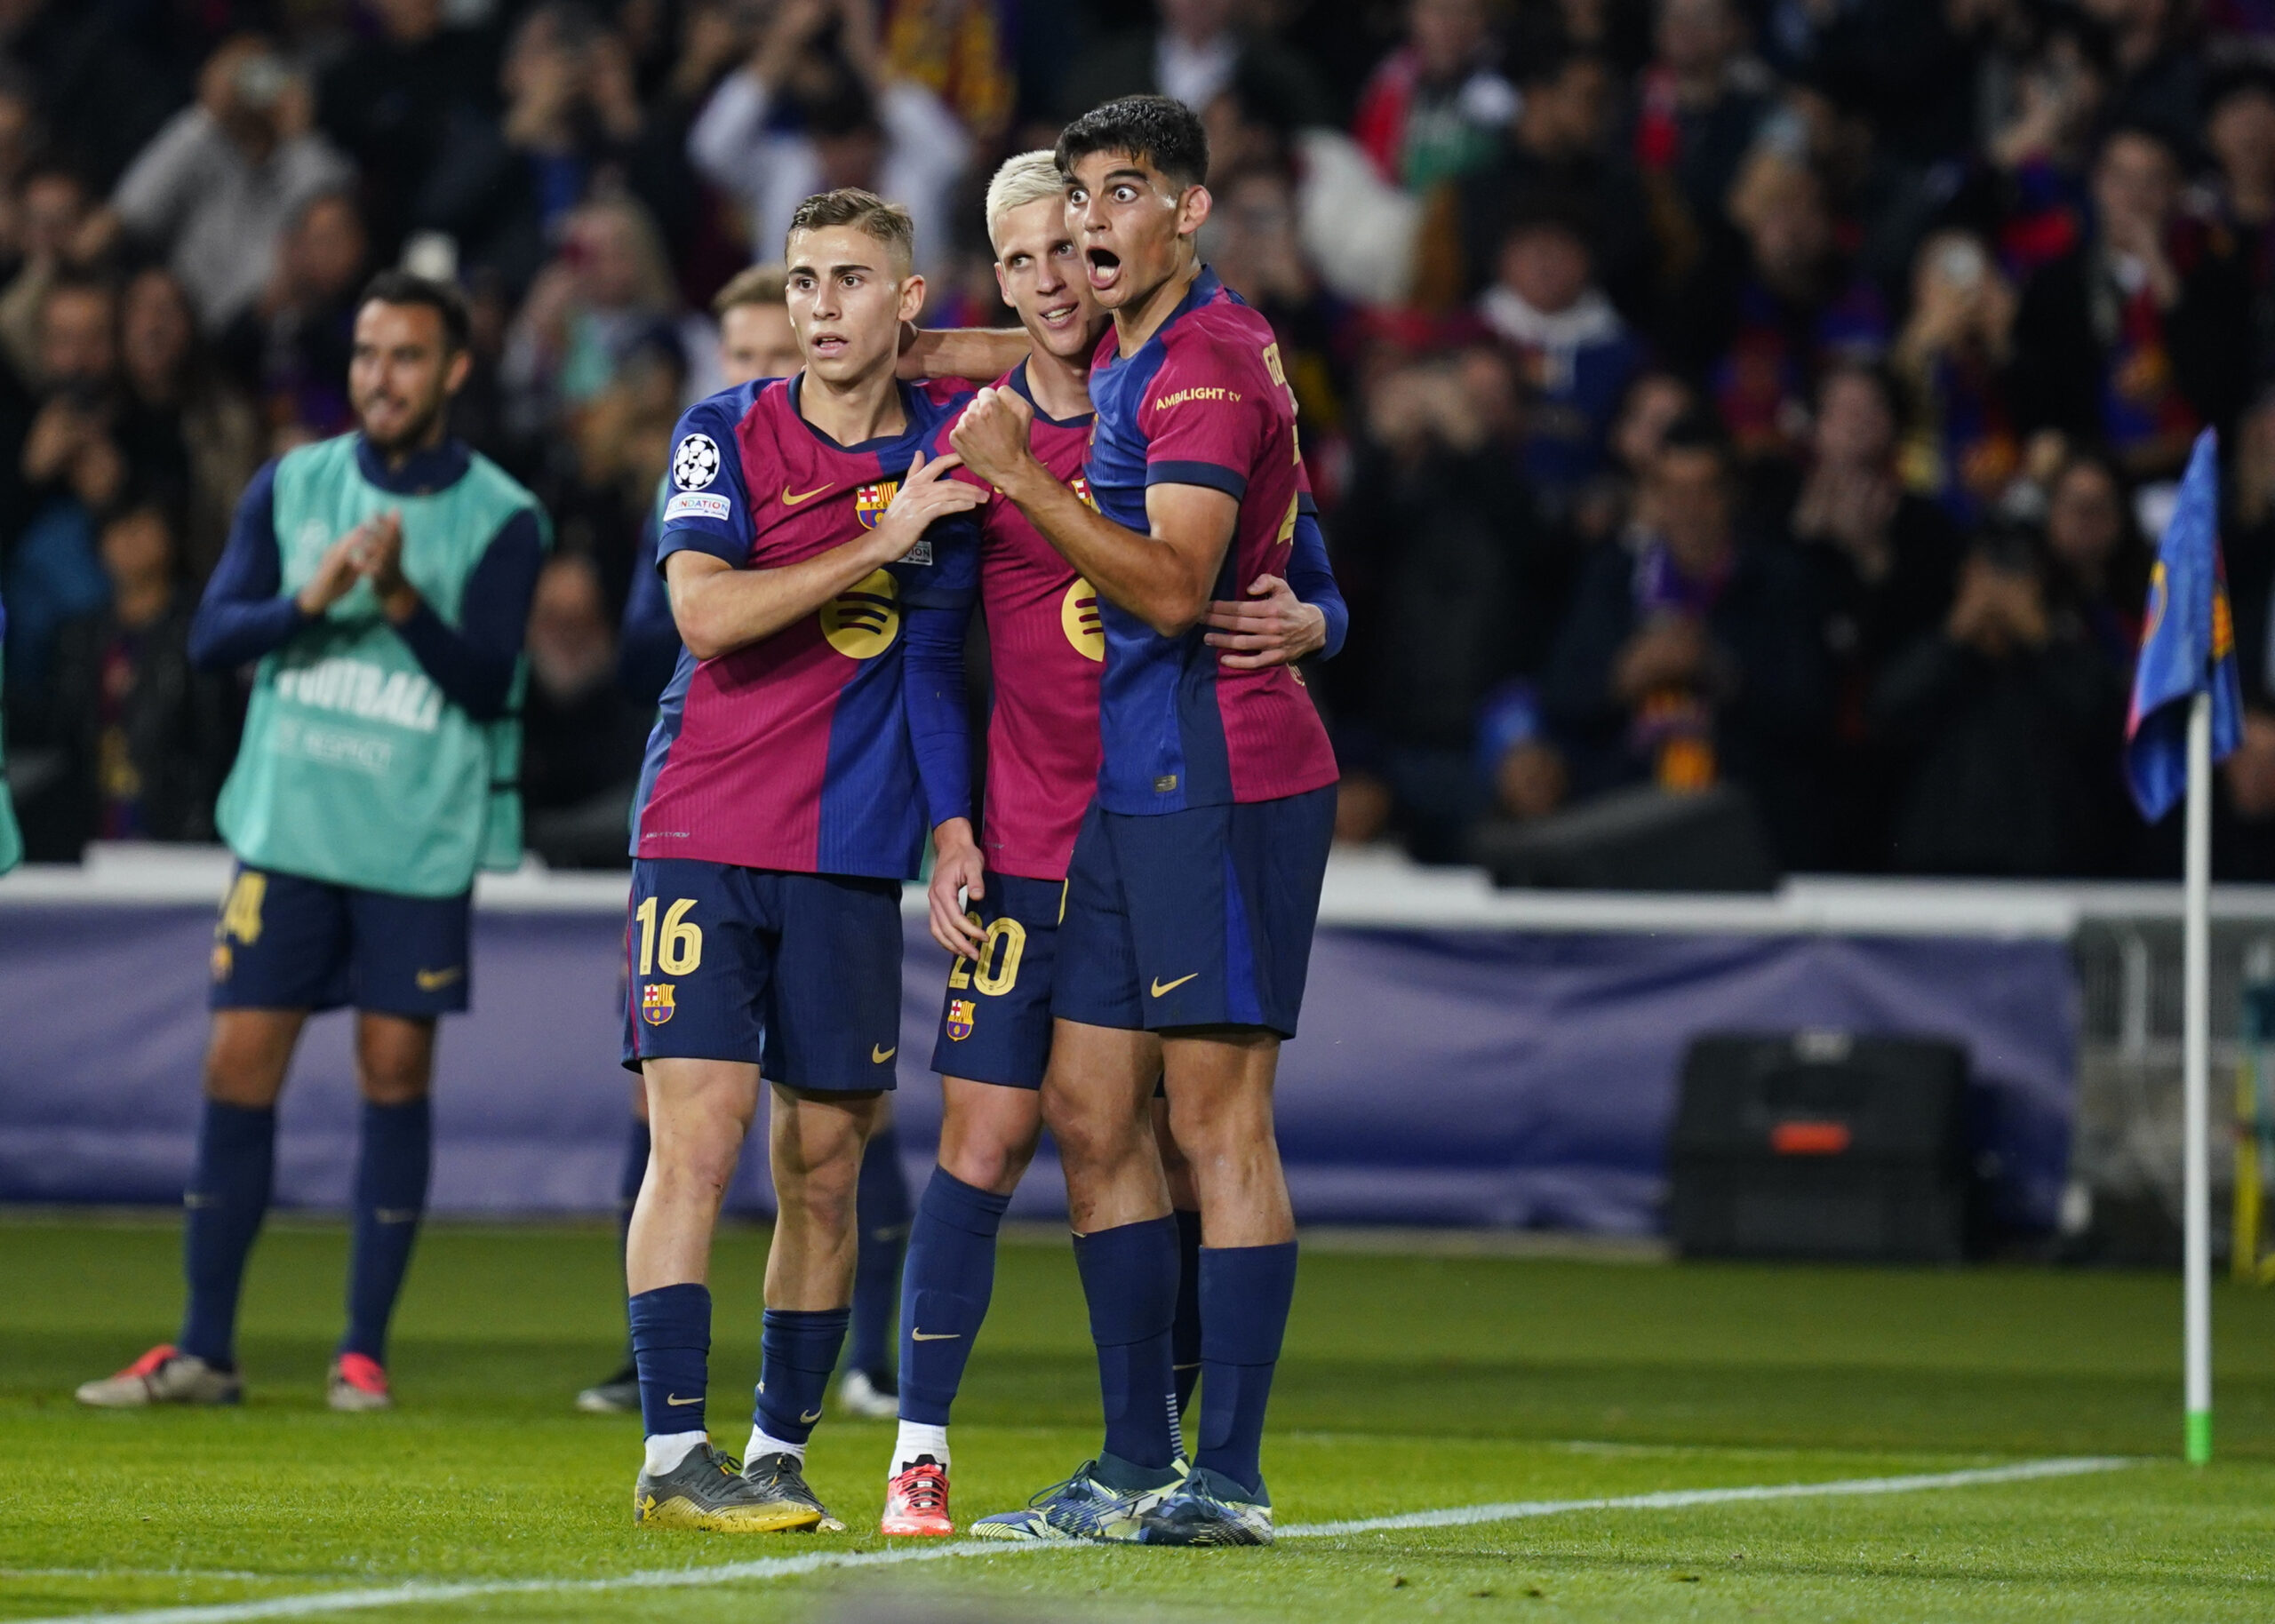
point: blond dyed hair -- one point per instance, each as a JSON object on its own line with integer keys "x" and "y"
{"x": 1030, "y": 177}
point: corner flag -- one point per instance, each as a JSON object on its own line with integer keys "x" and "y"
{"x": 2189, "y": 653}
{"x": 2188, "y": 647}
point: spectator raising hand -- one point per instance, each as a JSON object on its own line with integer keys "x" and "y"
{"x": 819, "y": 105}
{"x": 215, "y": 191}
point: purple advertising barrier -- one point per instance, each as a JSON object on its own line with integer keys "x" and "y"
{"x": 1444, "y": 1076}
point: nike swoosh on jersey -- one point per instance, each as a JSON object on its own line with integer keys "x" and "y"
{"x": 434, "y": 981}
{"x": 935, "y": 1336}
{"x": 879, "y": 1054}
{"x": 674, "y": 1399}
{"x": 1161, "y": 989}
{"x": 790, "y": 501}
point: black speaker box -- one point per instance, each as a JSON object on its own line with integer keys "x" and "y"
{"x": 1818, "y": 1145}
{"x": 1635, "y": 840}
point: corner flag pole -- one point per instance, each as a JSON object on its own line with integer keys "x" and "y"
{"x": 2195, "y": 1079}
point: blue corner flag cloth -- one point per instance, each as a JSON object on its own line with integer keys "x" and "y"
{"x": 2188, "y": 646}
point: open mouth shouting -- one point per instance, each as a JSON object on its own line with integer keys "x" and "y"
{"x": 1105, "y": 269}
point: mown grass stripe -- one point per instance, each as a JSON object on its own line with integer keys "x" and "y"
{"x": 315, "y": 1603}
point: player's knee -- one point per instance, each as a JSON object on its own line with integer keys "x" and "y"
{"x": 824, "y": 1192}
{"x": 695, "y": 1167}
{"x": 1087, "y": 1137}
{"x": 394, "y": 1085}
{"x": 393, "y": 1077}
{"x": 988, "y": 1163}
{"x": 243, "y": 1075}
{"x": 1206, "y": 1127}
{"x": 247, "y": 1088}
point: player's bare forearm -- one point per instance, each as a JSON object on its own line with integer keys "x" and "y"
{"x": 980, "y": 353}
{"x": 720, "y": 608}
{"x": 1162, "y": 577}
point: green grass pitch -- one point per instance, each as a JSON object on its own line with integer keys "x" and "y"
{"x": 1412, "y": 1384}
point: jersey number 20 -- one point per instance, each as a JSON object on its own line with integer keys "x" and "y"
{"x": 997, "y": 968}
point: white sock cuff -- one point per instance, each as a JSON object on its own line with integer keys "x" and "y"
{"x": 917, "y": 1439}
{"x": 666, "y": 1450}
{"x": 760, "y": 1444}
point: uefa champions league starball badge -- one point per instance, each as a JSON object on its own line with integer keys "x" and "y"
{"x": 696, "y": 462}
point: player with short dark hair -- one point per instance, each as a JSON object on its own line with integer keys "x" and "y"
{"x": 1000, "y": 913}
{"x": 1194, "y": 888}
{"x": 781, "y": 807}
{"x": 382, "y": 581}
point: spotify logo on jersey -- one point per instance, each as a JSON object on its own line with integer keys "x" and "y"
{"x": 862, "y": 621}
{"x": 1078, "y": 616}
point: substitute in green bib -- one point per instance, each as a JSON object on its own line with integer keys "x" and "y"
{"x": 381, "y": 581}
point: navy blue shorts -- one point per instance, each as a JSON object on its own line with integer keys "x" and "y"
{"x": 995, "y": 1020}
{"x": 1199, "y": 918}
{"x": 286, "y": 942}
{"x": 797, "y": 973}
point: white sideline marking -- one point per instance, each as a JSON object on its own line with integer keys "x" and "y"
{"x": 789, "y": 1567}
{"x": 1671, "y": 1498}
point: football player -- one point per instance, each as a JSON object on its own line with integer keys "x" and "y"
{"x": 1194, "y": 888}
{"x": 781, "y": 808}
{"x": 756, "y": 340}
{"x": 1047, "y": 645}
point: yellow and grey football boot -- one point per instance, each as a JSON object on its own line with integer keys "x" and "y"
{"x": 707, "y": 1490}
{"x": 783, "y": 1477}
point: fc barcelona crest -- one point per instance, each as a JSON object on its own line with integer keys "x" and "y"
{"x": 656, "y": 1006}
{"x": 960, "y": 1014}
{"x": 870, "y": 502}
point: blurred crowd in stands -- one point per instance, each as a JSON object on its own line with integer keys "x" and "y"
{"x": 1780, "y": 395}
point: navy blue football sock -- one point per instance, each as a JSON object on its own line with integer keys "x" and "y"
{"x": 943, "y": 1292}
{"x": 628, "y": 1180}
{"x": 671, "y": 1344}
{"x": 1185, "y": 1332}
{"x": 1245, "y": 1293}
{"x": 1129, "y": 1277}
{"x": 393, "y": 1161}
{"x": 227, "y": 1199}
{"x": 880, "y": 1207}
{"x": 798, "y": 1350}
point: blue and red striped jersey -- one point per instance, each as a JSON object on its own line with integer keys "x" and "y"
{"x": 794, "y": 752}
{"x": 1045, "y": 647}
{"x": 1203, "y": 401}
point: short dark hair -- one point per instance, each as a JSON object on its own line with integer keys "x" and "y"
{"x": 404, "y": 288}
{"x": 1159, "y": 130}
